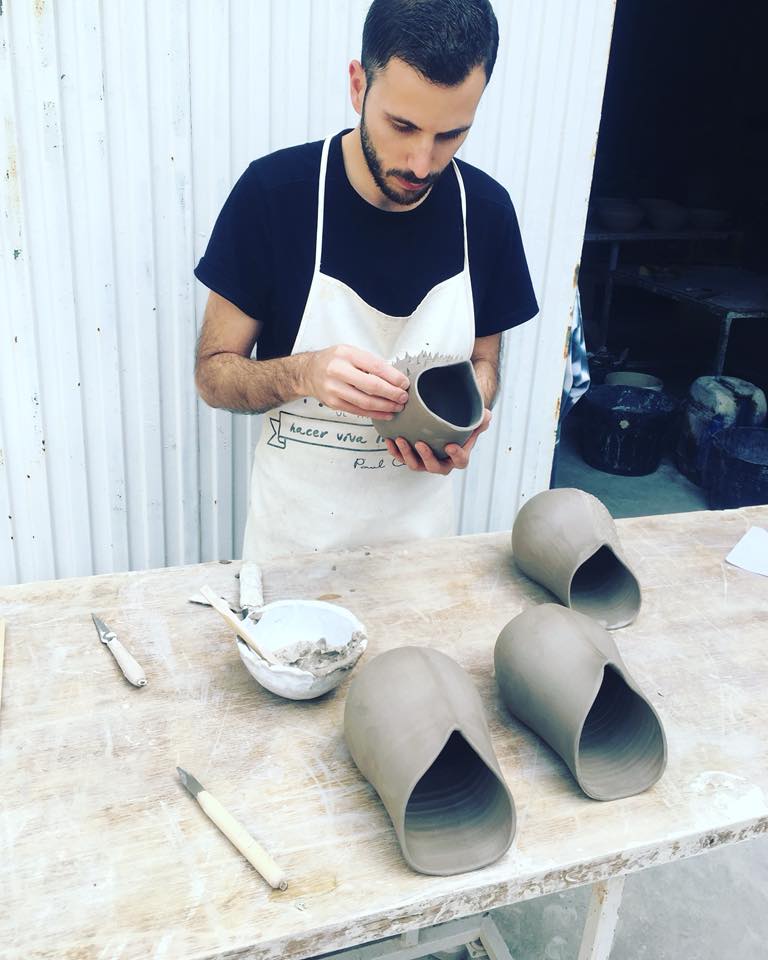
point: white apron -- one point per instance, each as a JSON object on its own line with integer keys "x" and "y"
{"x": 323, "y": 479}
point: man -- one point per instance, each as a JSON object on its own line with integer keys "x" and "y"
{"x": 351, "y": 261}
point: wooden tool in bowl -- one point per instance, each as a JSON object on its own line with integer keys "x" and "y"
{"x": 238, "y": 625}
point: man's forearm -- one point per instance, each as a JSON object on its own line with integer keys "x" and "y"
{"x": 232, "y": 382}
{"x": 487, "y": 373}
{"x": 486, "y": 360}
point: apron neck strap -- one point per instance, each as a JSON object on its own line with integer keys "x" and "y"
{"x": 321, "y": 202}
{"x": 463, "y": 212}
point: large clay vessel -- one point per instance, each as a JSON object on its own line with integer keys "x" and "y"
{"x": 561, "y": 674}
{"x": 444, "y": 406}
{"x": 566, "y": 540}
{"x": 415, "y": 726}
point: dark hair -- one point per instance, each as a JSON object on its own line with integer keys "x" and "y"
{"x": 442, "y": 39}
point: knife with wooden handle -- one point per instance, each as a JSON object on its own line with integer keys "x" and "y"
{"x": 132, "y": 672}
{"x": 235, "y": 832}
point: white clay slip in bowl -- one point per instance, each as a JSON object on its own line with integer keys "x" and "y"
{"x": 316, "y": 644}
{"x": 299, "y": 649}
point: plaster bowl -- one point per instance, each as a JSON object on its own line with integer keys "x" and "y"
{"x": 616, "y": 213}
{"x": 317, "y": 644}
{"x": 664, "y": 214}
{"x": 706, "y": 218}
{"x": 444, "y": 406}
{"x": 628, "y": 378}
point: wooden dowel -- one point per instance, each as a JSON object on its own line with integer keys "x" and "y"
{"x": 239, "y": 626}
{"x": 236, "y": 833}
{"x": 2, "y": 656}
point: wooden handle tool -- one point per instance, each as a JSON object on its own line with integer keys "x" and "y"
{"x": 251, "y": 589}
{"x": 132, "y": 671}
{"x": 235, "y": 832}
{"x": 2, "y": 656}
{"x": 239, "y": 626}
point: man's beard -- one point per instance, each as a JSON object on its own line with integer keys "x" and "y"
{"x": 404, "y": 198}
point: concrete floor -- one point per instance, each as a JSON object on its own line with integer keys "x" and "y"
{"x": 711, "y": 907}
{"x": 665, "y": 491}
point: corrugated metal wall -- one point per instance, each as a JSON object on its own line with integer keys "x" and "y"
{"x": 124, "y": 125}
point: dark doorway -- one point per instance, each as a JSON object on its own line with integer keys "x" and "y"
{"x": 681, "y": 177}
{"x": 685, "y": 119}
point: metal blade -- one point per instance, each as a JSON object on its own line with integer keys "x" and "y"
{"x": 105, "y": 634}
{"x": 194, "y": 786}
{"x": 199, "y": 598}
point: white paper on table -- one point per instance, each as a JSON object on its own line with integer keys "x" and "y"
{"x": 751, "y": 552}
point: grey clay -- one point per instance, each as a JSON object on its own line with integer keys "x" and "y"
{"x": 561, "y": 674}
{"x": 444, "y": 406}
{"x": 566, "y": 540}
{"x": 415, "y": 726}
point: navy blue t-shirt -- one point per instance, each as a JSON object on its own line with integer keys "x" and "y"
{"x": 261, "y": 254}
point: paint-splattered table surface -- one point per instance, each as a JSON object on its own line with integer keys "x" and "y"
{"x": 104, "y": 855}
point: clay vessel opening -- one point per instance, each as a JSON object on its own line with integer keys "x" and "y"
{"x": 605, "y": 590}
{"x": 621, "y": 750}
{"x": 450, "y": 394}
{"x": 459, "y": 814}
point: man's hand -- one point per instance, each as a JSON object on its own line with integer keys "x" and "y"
{"x": 347, "y": 378}
{"x": 421, "y": 458}
{"x": 341, "y": 377}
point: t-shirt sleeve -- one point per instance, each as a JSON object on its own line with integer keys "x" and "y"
{"x": 237, "y": 263}
{"x": 507, "y": 298}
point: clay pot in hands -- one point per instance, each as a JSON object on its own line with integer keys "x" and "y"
{"x": 561, "y": 674}
{"x": 566, "y": 540}
{"x": 415, "y": 726}
{"x": 444, "y": 406}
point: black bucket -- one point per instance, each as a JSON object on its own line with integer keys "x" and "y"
{"x": 736, "y": 473}
{"x": 623, "y": 429}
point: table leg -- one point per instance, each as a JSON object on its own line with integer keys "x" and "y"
{"x": 722, "y": 342}
{"x": 613, "y": 261}
{"x": 492, "y": 941}
{"x": 602, "y": 917}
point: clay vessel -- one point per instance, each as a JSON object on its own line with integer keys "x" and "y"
{"x": 444, "y": 406}
{"x": 415, "y": 726}
{"x": 561, "y": 674}
{"x": 566, "y": 540}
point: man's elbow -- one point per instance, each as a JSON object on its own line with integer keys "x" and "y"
{"x": 205, "y": 382}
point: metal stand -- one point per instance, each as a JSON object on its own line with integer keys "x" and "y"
{"x": 482, "y": 940}
{"x": 722, "y": 341}
{"x": 479, "y": 935}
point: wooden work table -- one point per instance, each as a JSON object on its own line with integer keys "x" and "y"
{"x": 103, "y": 854}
